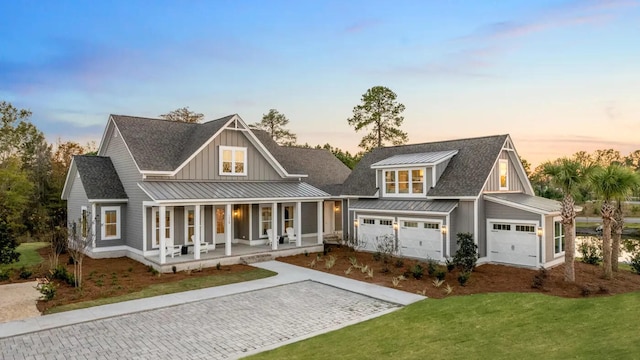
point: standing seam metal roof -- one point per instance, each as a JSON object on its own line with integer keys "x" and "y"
{"x": 199, "y": 190}
{"x": 441, "y": 206}
{"x": 543, "y": 204}
{"x": 418, "y": 158}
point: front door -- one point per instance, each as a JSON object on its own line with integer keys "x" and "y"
{"x": 329, "y": 217}
{"x": 219, "y": 225}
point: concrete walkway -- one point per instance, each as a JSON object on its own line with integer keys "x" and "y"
{"x": 297, "y": 303}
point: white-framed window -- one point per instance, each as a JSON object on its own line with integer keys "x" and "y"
{"x": 435, "y": 226}
{"x": 190, "y": 222}
{"x": 288, "y": 216}
{"x": 526, "y": 228}
{"x": 503, "y": 227}
{"x": 410, "y": 224}
{"x": 558, "y": 238}
{"x": 168, "y": 223}
{"x": 386, "y": 222}
{"x": 404, "y": 182}
{"x": 368, "y": 221}
{"x": 110, "y": 216}
{"x": 233, "y": 161}
{"x": 266, "y": 218}
{"x": 84, "y": 221}
{"x": 504, "y": 174}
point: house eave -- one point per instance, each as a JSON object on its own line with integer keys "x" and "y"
{"x": 107, "y": 201}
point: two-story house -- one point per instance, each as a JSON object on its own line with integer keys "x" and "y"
{"x": 171, "y": 193}
{"x": 423, "y": 195}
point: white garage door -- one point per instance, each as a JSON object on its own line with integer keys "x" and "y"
{"x": 512, "y": 243}
{"x": 371, "y": 230}
{"x": 420, "y": 239}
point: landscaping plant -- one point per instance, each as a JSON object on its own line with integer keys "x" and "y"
{"x": 467, "y": 254}
{"x": 591, "y": 252}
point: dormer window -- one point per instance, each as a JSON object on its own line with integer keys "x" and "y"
{"x": 233, "y": 161}
{"x": 504, "y": 174}
{"x": 404, "y": 182}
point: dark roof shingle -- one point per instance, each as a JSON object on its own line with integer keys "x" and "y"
{"x": 465, "y": 174}
{"x": 99, "y": 178}
{"x": 325, "y": 171}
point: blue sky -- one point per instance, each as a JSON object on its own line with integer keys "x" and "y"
{"x": 559, "y": 76}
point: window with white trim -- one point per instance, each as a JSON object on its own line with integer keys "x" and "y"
{"x": 504, "y": 174}
{"x": 434, "y": 226}
{"x": 504, "y": 227}
{"x": 190, "y": 221}
{"x": 526, "y": 228}
{"x": 288, "y": 214}
{"x": 368, "y": 221}
{"x": 386, "y": 222}
{"x": 110, "y": 216}
{"x": 558, "y": 238}
{"x": 410, "y": 224}
{"x": 233, "y": 161}
{"x": 404, "y": 182}
{"x": 265, "y": 220}
{"x": 168, "y": 221}
{"x": 84, "y": 221}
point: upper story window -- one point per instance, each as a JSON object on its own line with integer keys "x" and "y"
{"x": 404, "y": 182}
{"x": 504, "y": 174}
{"x": 233, "y": 160}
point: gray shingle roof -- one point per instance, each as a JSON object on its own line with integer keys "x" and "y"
{"x": 428, "y": 158}
{"x": 541, "y": 204}
{"x": 464, "y": 176}
{"x": 202, "y": 190}
{"x": 99, "y": 177}
{"x": 324, "y": 170}
{"x": 163, "y": 145}
{"x": 440, "y": 206}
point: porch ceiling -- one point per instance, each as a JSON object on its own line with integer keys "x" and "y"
{"x": 177, "y": 191}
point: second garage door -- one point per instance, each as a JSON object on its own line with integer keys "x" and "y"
{"x": 372, "y": 230}
{"x": 420, "y": 239}
{"x": 513, "y": 243}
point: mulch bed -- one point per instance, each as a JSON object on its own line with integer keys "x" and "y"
{"x": 486, "y": 278}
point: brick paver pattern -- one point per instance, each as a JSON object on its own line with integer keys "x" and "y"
{"x": 220, "y": 328}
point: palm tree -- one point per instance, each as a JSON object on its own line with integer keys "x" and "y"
{"x": 567, "y": 175}
{"x": 613, "y": 182}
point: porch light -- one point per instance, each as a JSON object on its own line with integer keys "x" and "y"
{"x": 236, "y": 212}
{"x": 540, "y": 233}
{"x": 443, "y": 229}
{"x": 395, "y": 225}
{"x": 336, "y": 208}
{"x": 355, "y": 223}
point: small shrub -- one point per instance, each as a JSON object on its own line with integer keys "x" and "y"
{"x": 450, "y": 264}
{"x": 467, "y": 254}
{"x": 155, "y": 271}
{"x": 100, "y": 282}
{"x": 47, "y": 289}
{"x": 396, "y": 282}
{"x": 306, "y": 253}
{"x": 61, "y": 273}
{"x": 4, "y": 274}
{"x": 591, "y": 252}
{"x": 330, "y": 262}
{"x": 422, "y": 292}
{"x": 586, "y": 290}
{"x": 174, "y": 269}
{"x": 348, "y": 271}
{"x": 634, "y": 262}
{"x": 437, "y": 283}
{"x": 364, "y": 269}
{"x": 385, "y": 268}
{"x": 463, "y": 278}
{"x": 539, "y": 278}
{"x": 432, "y": 267}
{"x": 399, "y": 263}
{"x": 440, "y": 275}
{"x": 370, "y": 273}
{"x": 377, "y": 256}
{"x": 218, "y": 266}
{"x": 447, "y": 290}
{"x": 25, "y": 273}
{"x": 353, "y": 261}
{"x": 417, "y": 271}
{"x": 312, "y": 264}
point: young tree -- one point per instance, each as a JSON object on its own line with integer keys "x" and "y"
{"x": 80, "y": 240}
{"x": 613, "y": 182}
{"x": 274, "y": 122}
{"x": 567, "y": 175}
{"x": 184, "y": 115}
{"x": 382, "y": 113}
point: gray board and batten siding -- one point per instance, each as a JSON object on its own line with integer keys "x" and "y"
{"x": 514, "y": 182}
{"x": 115, "y": 148}
{"x": 205, "y": 165}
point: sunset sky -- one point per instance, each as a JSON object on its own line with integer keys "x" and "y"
{"x": 559, "y": 76}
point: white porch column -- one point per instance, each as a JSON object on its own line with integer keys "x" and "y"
{"x": 320, "y": 209}
{"x": 227, "y": 230}
{"x": 196, "y": 232}
{"x": 163, "y": 229}
{"x": 93, "y": 218}
{"x": 298, "y": 223}
{"x": 274, "y": 226}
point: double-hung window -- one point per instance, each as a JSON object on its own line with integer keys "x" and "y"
{"x": 110, "y": 216}
{"x": 404, "y": 182}
{"x": 558, "y": 238}
{"x": 168, "y": 223}
{"x": 265, "y": 220}
{"x": 233, "y": 161}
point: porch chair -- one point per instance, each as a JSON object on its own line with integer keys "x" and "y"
{"x": 172, "y": 249}
{"x": 204, "y": 246}
{"x": 269, "y": 240}
{"x": 291, "y": 235}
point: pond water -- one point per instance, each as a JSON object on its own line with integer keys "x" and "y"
{"x": 627, "y": 247}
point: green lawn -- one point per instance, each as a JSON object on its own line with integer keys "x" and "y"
{"x": 172, "y": 287}
{"x": 487, "y": 326}
{"x": 28, "y": 255}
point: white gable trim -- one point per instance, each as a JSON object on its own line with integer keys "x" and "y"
{"x": 518, "y": 166}
{"x": 115, "y": 128}
{"x": 67, "y": 185}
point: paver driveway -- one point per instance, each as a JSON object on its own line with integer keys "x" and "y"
{"x": 219, "y": 328}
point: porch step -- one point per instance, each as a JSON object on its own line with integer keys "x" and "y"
{"x": 255, "y": 258}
